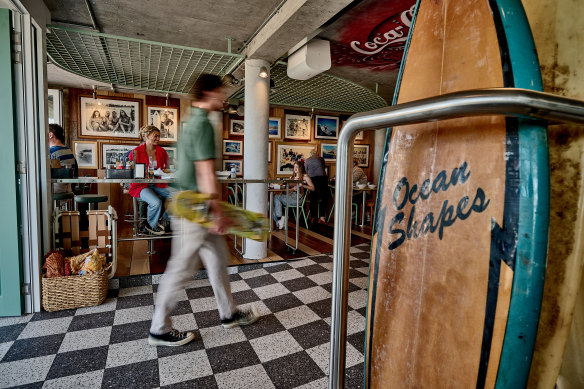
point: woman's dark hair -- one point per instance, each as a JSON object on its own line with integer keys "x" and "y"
{"x": 58, "y": 131}
{"x": 206, "y": 83}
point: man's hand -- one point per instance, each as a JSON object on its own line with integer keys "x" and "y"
{"x": 207, "y": 182}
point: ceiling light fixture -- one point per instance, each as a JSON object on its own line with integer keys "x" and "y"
{"x": 167, "y": 101}
{"x": 94, "y": 92}
{"x": 263, "y": 72}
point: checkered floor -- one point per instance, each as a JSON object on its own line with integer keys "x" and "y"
{"x": 106, "y": 347}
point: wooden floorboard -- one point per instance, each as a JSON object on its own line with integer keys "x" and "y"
{"x": 133, "y": 260}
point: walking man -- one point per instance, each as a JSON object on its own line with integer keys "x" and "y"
{"x": 194, "y": 243}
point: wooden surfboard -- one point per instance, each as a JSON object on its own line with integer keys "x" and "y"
{"x": 458, "y": 251}
{"x": 559, "y": 350}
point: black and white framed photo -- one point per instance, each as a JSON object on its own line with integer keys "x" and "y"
{"x": 232, "y": 147}
{"x": 328, "y": 151}
{"x": 236, "y": 127}
{"x": 288, "y": 153}
{"x": 297, "y": 127}
{"x": 361, "y": 153}
{"x": 109, "y": 117}
{"x": 326, "y": 127}
{"x": 274, "y": 130}
{"x": 171, "y": 151}
{"x": 235, "y": 163}
{"x": 55, "y": 105}
{"x": 112, "y": 153}
{"x": 85, "y": 154}
{"x": 166, "y": 120}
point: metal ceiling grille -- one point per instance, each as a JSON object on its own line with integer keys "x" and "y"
{"x": 323, "y": 92}
{"x": 134, "y": 63}
{"x": 159, "y": 67}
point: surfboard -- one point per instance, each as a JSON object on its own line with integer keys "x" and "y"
{"x": 559, "y": 349}
{"x": 458, "y": 250}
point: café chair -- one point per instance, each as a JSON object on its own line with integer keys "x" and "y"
{"x": 65, "y": 197}
{"x": 301, "y": 209}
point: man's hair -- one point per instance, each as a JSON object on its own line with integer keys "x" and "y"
{"x": 206, "y": 83}
{"x": 58, "y": 131}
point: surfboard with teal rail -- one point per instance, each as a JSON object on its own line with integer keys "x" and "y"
{"x": 459, "y": 245}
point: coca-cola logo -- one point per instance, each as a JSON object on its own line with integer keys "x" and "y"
{"x": 383, "y": 47}
{"x": 392, "y": 31}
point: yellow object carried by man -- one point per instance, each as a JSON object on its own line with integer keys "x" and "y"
{"x": 194, "y": 206}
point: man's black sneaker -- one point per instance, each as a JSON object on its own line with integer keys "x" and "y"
{"x": 241, "y": 318}
{"x": 172, "y": 338}
{"x": 156, "y": 230}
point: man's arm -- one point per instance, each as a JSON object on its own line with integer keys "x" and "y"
{"x": 207, "y": 182}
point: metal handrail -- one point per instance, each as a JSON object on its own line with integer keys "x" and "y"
{"x": 497, "y": 101}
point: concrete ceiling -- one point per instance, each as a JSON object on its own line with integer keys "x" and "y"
{"x": 264, "y": 29}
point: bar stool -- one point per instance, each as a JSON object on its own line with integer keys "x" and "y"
{"x": 90, "y": 199}
{"x": 65, "y": 197}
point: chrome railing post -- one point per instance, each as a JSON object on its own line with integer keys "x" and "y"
{"x": 496, "y": 101}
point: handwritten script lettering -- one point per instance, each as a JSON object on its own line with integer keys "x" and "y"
{"x": 393, "y": 36}
{"x": 403, "y": 195}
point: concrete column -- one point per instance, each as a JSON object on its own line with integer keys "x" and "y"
{"x": 378, "y": 146}
{"x": 255, "y": 149}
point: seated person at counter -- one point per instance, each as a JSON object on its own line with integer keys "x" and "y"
{"x": 153, "y": 194}
{"x": 359, "y": 178}
{"x": 281, "y": 199}
{"x": 58, "y": 151}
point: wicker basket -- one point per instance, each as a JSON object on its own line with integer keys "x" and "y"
{"x": 74, "y": 291}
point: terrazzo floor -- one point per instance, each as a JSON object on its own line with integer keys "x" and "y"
{"x": 106, "y": 346}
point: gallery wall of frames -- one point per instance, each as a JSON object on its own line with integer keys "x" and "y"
{"x": 102, "y": 130}
{"x": 292, "y": 135}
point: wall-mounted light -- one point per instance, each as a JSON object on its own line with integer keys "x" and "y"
{"x": 272, "y": 86}
{"x": 230, "y": 79}
{"x": 167, "y": 101}
{"x": 95, "y": 94}
{"x": 263, "y": 72}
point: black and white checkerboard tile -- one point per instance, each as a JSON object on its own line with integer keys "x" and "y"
{"x": 106, "y": 346}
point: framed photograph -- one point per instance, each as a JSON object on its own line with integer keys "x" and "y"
{"x": 236, "y": 163}
{"x": 326, "y": 127}
{"x": 359, "y": 136}
{"x": 361, "y": 152}
{"x": 274, "y": 130}
{"x": 297, "y": 127}
{"x": 269, "y": 151}
{"x": 55, "y": 103}
{"x": 112, "y": 153}
{"x": 287, "y": 154}
{"x": 171, "y": 151}
{"x": 85, "y": 154}
{"x": 166, "y": 120}
{"x": 109, "y": 117}
{"x": 236, "y": 127}
{"x": 232, "y": 147}
{"x": 328, "y": 151}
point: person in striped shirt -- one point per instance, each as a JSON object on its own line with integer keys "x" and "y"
{"x": 61, "y": 152}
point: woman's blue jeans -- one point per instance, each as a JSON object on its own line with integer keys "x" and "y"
{"x": 155, "y": 196}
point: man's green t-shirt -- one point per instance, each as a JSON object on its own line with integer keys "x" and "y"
{"x": 196, "y": 143}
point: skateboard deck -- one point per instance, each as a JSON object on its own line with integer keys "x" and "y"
{"x": 193, "y": 206}
{"x": 458, "y": 249}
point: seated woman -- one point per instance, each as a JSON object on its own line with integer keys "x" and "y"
{"x": 359, "y": 177}
{"x": 281, "y": 199}
{"x": 153, "y": 194}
